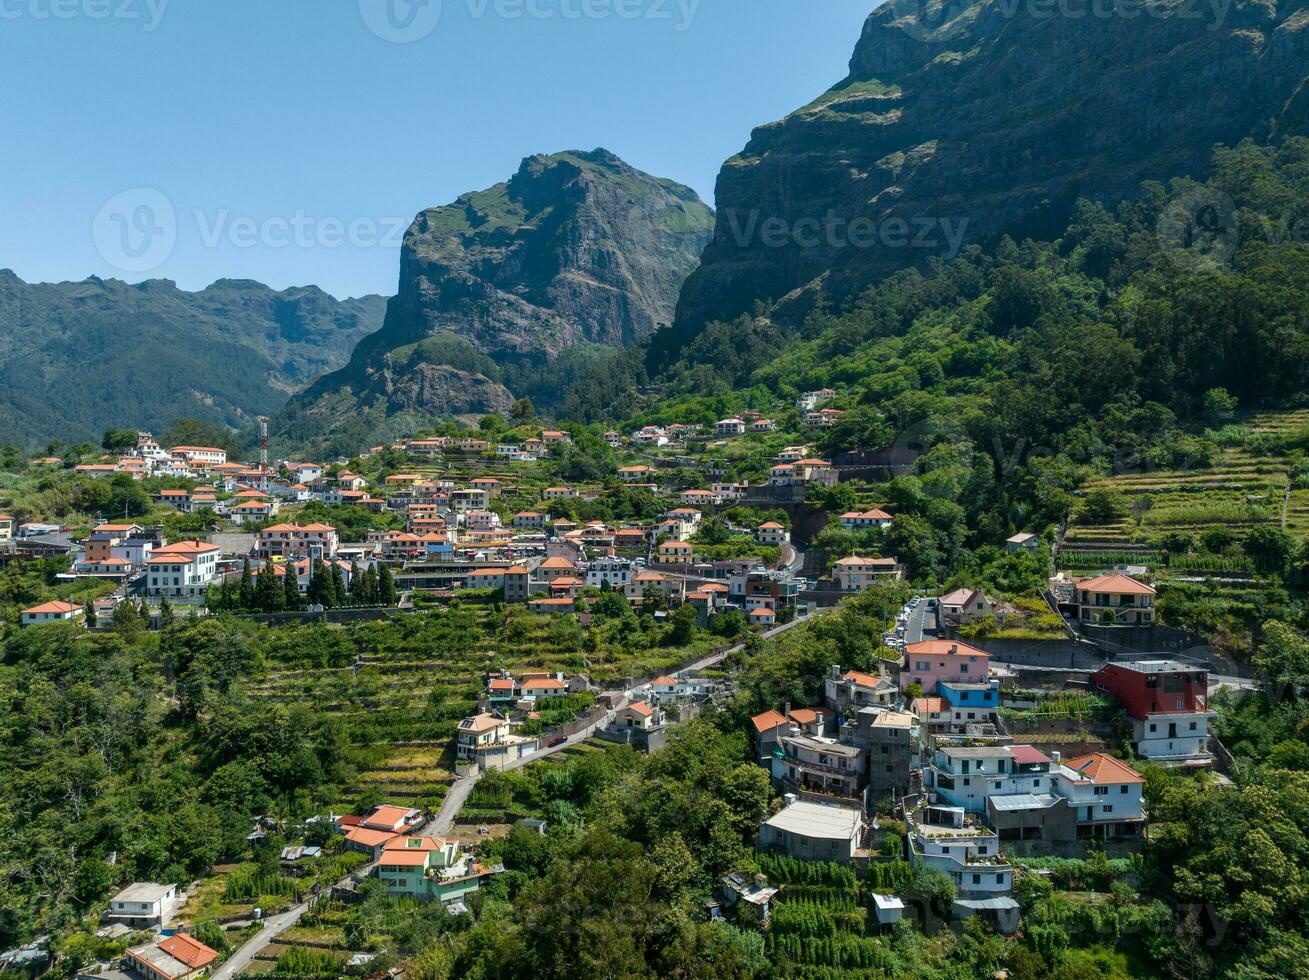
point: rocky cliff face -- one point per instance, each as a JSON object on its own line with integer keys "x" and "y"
{"x": 79, "y": 357}
{"x": 965, "y": 120}
{"x": 575, "y": 249}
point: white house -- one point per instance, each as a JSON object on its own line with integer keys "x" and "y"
{"x": 297, "y": 540}
{"x": 1104, "y": 793}
{"x": 858, "y": 574}
{"x": 202, "y": 455}
{"x": 730, "y": 427}
{"x": 51, "y": 612}
{"x": 813, "y": 831}
{"x": 613, "y": 572}
{"x": 182, "y": 569}
{"x": 773, "y": 534}
{"x": 144, "y": 905}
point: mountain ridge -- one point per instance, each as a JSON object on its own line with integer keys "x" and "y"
{"x": 986, "y": 112}
{"x": 247, "y": 347}
{"x": 577, "y": 253}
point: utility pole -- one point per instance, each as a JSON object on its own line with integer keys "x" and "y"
{"x": 263, "y": 442}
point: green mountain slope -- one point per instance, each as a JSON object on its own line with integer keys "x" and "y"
{"x": 525, "y": 288}
{"x": 76, "y": 358}
{"x": 964, "y": 120}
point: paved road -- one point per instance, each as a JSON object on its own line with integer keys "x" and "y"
{"x": 274, "y": 926}
{"x": 921, "y": 625}
{"x": 454, "y": 800}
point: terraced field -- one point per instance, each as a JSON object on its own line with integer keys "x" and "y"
{"x": 1240, "y": 491}
{"x": 400, "y": 687}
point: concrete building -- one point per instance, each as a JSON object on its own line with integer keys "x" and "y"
{"x": 814, "y": 831}
{"x": 1115, "y": 600}
{"x": 173, "y": 958}
{"x": 1167, "y": 703}
{"x": 144, "y": 905}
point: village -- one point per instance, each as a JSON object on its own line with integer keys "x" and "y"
{"x": 946, "y": 755}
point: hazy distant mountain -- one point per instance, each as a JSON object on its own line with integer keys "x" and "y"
{"x": 77, "y": 358}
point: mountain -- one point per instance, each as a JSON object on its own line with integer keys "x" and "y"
{"x": 576, "y": 255}
{"x": 77, "y": 358}
{"x": 972, "y": 119}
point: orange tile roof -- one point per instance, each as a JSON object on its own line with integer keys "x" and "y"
{"x": 860, "y": 678}
{"x": 939, "y": 648}
{"x": 192, "y": 952}
{"x": 928, "y": 706}
{"x": 1117, "y": 584}
{"x": 767, "y": 721}
{"x": 53, "y": 607}
{"x": 545, "y": 683}
{"x": 387, "y": 815}
{"x": 806, "y": 716}
{"x": 1104, "y": 769}
{"x": 368, "y": 838}
{"x": 405, "y": 858}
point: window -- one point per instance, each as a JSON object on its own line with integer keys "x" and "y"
{"x": 977, "y": 879}
{"x": 999, "y": 878}
{"x": 1123, "y": 789}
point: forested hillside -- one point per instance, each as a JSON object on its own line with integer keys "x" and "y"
{"x": 77, "y": 358}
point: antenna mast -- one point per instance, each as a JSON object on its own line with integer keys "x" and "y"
{"x": 263, "y": 441}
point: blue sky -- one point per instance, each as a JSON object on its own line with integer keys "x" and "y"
{"x": 291, "y": 140}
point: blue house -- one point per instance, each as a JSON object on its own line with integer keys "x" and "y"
{"x": 963, "y": 696}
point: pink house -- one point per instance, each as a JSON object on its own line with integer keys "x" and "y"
{"x": 933, "y": 661}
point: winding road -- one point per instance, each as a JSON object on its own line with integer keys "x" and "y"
{"x": 274, "y": 926}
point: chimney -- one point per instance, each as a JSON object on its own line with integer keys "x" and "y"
{"x": 1054, "y": 757}
{"x": 954, "y": 647}
{"x": 788, "y": 799}
{"x": 787, "y": 710}
{"x": 761, "y": 880}
{"x": 836, "y": 672}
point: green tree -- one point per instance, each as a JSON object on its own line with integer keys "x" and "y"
{"x": 246, "y": 591}
{"x": 386, "y": 591}
{"x": 291, "y": 597}
{"x": 270, "y": 595}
